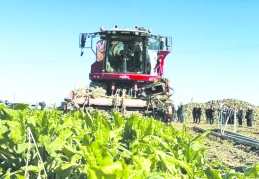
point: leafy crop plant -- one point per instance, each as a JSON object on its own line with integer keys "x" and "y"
{"x": 49, "y": 144}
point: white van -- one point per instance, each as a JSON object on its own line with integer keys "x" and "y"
{"x": 34, "y": 106}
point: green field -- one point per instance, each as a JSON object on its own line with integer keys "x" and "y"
{"x": 50, "y": 144}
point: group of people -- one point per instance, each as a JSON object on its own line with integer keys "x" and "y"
{"x": 226, "y": 115}
{"x": 209, "y": 114}
{"x": 173, "y": 113}
{"x": 196, "y": 114}
{"x": 180, "y": 113}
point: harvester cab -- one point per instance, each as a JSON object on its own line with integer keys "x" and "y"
{"x": 134, "y": 51}
{"x": 128, "y": 73}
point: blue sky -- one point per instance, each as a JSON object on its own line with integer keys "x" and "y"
{"x": 215, "y": 52}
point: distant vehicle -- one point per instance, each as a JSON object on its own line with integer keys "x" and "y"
{"x": 62, "y": 106}
{"x": 34, "y": 106}
{"x": 10, "y": 105}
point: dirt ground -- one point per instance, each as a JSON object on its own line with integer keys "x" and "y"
{"x": 225, "y": 154}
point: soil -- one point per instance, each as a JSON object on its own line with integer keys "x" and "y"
{"x": 223, "y": 154}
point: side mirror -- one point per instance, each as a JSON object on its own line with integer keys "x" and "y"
{"x": 82, "y": 40}
{"x": 168, "y": 42}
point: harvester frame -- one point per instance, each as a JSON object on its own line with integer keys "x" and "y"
{"x": 127, "y": 74}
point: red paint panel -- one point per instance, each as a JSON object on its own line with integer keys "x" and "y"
{"x": 97, "y": 67}
{"x": 122, "y": 76}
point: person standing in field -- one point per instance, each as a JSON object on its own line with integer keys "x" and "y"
{"x": 42, "y": 105}
{"x": 194, "y": 112}
{"x": 224, "y": 114}
{"x": 181, "y": 113}
{"x": 211, "y": 113}
{"x": 178, "y": 113}
{"x": 198, "y": 114}
{"x": 240, "y": 116}
{"x": 249, "y": 116}
{"x": 207, "y": 115}
{"x": 230, "y": 116}
{"x": 173, "y": 111}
